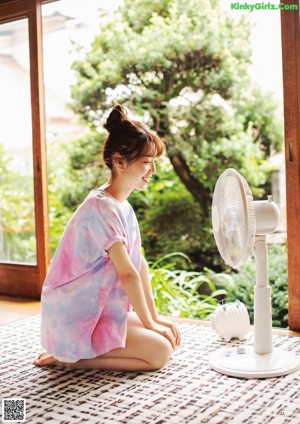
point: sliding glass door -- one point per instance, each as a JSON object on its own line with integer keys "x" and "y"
{"x": 24, "y": 241}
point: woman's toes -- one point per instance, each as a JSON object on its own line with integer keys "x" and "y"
{"x": 44, "y": 359}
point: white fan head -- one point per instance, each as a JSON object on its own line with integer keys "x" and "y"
{"x": 233, "y": 218}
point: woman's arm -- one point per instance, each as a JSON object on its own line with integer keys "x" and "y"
{"x": 134, "y": 289}
{"x": 147, "y": 287}
{"x": 131, "y": 282}
{"x": 146, "y": 282}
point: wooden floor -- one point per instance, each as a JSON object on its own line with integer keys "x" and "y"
{"x": 14, "y": 308}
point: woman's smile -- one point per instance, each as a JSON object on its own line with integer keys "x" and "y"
{"x": 146, "y": 179}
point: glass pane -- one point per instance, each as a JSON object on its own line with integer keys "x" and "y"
{"x": 17, "y": 219}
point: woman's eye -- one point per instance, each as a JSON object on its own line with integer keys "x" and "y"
{"x": 150, "y": 162}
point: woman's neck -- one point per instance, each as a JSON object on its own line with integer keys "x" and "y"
{"x": 117, "y": 190}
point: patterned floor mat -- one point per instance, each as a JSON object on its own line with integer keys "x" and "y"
{"x": 187, "y": 391}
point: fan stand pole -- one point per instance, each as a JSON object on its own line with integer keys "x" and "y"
{"x": 262, "y": 361}
{"x": 262, "y": 299}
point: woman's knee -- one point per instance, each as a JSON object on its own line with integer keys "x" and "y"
{"x": 162, "y": 355}
{"x": 153, "y": 348}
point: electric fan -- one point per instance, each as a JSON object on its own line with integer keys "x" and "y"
{"x": 240, "y": 226}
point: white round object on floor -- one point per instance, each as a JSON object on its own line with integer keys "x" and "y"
{"x": 243, "y": 362}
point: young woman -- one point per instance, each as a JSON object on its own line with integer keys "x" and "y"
{"x": 98, "y": 272}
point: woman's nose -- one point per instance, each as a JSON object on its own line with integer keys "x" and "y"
{"x": 153, "y": 168}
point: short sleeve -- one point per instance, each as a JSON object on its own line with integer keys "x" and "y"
{"x": 112, "y": 241}
{"x": 111, "y": 226}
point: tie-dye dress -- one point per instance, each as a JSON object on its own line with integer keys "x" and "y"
{"x": 84, "y": 305}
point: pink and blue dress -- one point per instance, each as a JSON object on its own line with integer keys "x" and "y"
{"x": 84, "y": 305}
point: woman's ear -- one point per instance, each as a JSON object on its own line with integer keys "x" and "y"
{"x": 119, "y": 162}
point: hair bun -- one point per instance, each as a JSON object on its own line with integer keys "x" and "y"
{"x": 118, "y": 121}
{"x": 116, "y": 118}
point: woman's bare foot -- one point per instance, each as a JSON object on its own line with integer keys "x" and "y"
{"x": 45, "y": 359}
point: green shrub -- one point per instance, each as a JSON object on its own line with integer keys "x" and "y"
{"x": 178, "y": 292}
{"x": 175, "y": 222}
{"x": 240, "y": 285}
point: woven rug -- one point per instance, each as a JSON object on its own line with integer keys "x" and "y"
{"x": 186, "y": 391}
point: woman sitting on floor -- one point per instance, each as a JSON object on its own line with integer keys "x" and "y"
{"x": 98, "y": 270}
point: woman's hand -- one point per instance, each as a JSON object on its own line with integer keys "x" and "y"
{"x": 171, "y": 331}
{"x": 164, "y": 331}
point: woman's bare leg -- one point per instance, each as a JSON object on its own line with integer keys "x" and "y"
{"x": 144, "y": 350}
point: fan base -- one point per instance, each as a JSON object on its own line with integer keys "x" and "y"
{"x": 243, "y": 362}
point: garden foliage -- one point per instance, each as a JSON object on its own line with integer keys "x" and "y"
{"x": 181, "y": 293}
{"x": 240, "y": 285}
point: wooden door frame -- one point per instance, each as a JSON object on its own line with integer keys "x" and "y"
{"x": 290, "y": 35}
{"x": 22, "y": 279}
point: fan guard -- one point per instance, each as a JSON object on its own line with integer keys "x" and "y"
{"x": 233, "y": 218}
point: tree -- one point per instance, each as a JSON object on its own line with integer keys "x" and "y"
{"x": 182, "y": 66}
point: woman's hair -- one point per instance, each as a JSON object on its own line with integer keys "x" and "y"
{"x": 131, "y": 139}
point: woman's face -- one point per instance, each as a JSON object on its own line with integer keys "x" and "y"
{"x": 138, "y": 173}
